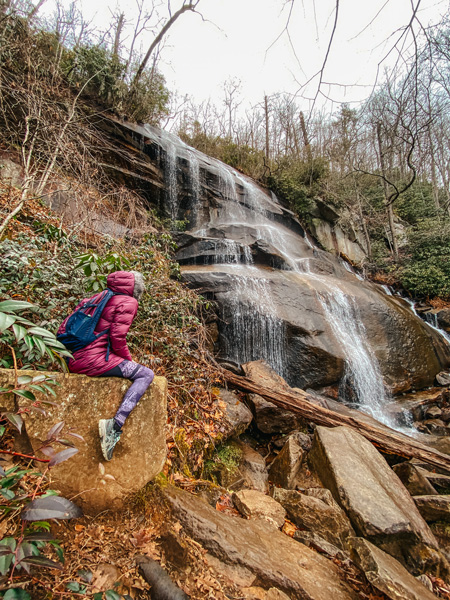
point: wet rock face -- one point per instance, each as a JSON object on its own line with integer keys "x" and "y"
{"x": 278, "y": 296}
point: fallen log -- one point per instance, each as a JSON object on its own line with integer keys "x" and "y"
{"x": 305, "y": 405}
{"x": 163, "y": 588}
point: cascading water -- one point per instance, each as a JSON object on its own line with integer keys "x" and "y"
{"x": 172, "y": 184}
{"x": 194, "y": 176}
{"x": 252, "y": 329}
{"x": 362, "y": 381}
{"x": 250, "y": 253}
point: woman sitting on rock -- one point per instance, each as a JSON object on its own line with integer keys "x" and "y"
{"x": 108, "y": 355}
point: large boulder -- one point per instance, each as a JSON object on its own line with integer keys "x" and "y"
{"x": 414, "y": 481}
{"x": 253, "y": 469}
{"x": 236, "y": 415}
{"x": 378, "y": 505}
{"x": 80, "y": 402}
{"x": 322, "y": 516}
{"x": 268, "y": 417}
{"x": 274, "y": 559}
{"x": 387, "y": 574}
{"x": 287, "y": 463}
{"x": 408, "y": 351}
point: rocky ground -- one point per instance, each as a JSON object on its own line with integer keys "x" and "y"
{"x": 293, "y": 511}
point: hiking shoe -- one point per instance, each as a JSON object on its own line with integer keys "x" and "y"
{"x": 108, "y": 437}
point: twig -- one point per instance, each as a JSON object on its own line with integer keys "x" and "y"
{"x": 44, "y": 460}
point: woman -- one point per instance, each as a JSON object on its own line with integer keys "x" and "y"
{"x": 108, "y": 355}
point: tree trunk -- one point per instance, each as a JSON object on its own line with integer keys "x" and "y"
{"x": 304, "y": 404}
{"x": 266, "y": 115}
{"x": 186, "y": 7}
{"x": 305, "y": 137}
{"x": 389, "y": 210}
{"x": 120, "y": 24}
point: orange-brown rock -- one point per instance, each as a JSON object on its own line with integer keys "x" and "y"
{"x": 81, "y": 402}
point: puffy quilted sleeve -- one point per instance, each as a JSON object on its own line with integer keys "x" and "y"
{"x": 123, "y": 317}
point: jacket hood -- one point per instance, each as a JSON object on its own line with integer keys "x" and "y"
{"x": 121, "y": 282}
{"x": 139, "y": 285}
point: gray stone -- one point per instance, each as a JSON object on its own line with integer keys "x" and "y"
{"x": 311, "y": 513}
{"x": 443, "y": 378}
{"x": 287, "y": 463}
{"x": 253, "y": 469}
{"x": 414, "y": 481}
{"x": 254, "y": 504}
{"x": 11, "y": 172}
{"x": 433, "y": 426}
{"x": 269, "y": 418}
{"x": 439, "y": 481}
{"x": 434, "y": 508}
{"x": 386, "y": 573}
{"x": 237, "y": 416}
{"x": 81, "y": 402}
{"x": 275, "y": 559}
{"x": 378, "y": 505}
{"x": 433, "y": 412}
{"x": 304, "y": 440}
{"x": 313, "y": 540}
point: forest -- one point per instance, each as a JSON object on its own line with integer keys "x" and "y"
{"x": 380, "y": 167}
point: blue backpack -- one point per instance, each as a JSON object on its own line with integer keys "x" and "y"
{"x": 82, "y": 322}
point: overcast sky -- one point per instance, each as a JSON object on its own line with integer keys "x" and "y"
{"x": 245, "y": 39}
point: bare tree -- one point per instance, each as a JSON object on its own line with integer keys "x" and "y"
{"x": 187, "y": 6}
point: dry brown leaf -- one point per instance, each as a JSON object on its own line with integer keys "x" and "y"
{"x": 289, "y": 528}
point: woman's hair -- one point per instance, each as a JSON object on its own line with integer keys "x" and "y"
{"x": 139, "y": 285}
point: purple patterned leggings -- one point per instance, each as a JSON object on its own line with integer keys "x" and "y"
{"x": 140, "y": 376}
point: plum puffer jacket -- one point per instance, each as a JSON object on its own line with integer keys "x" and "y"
{"x": 117, "y": 316}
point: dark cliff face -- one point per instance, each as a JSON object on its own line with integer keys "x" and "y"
{"x": 279, "y": 297}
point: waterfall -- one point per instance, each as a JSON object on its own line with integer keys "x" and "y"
{"x": 172, "y": 183}
{"x": 362, "y": 381}
{"x": 194, "y": 176}
{"x": 305, "y": 308}
{"x": 253, "y": 331}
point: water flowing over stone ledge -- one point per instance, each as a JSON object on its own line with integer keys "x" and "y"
{"x": 279, "y": 297}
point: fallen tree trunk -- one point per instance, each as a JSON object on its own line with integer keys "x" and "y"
{"x": 305, "y": 405}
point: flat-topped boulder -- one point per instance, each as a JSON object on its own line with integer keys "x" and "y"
{"x": 376, "y": 502}
{"x": 80, "y": 402}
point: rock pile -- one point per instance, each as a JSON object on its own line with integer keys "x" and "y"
{"x": 307, "y": 500}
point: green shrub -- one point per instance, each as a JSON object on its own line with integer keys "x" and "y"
{"x": 426, "y": 271}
